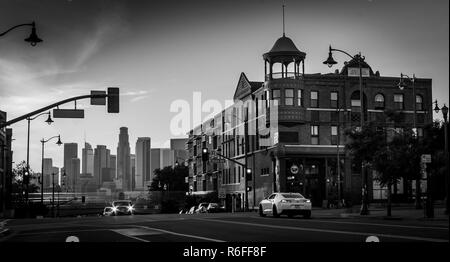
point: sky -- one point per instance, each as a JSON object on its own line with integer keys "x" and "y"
{"x": 158, "y": 52}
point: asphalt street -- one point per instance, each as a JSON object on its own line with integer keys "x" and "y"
{"x": 222, "y": 227}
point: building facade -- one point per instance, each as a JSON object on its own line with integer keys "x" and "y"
{"x": 70, "y": 152}
{"x": 143, "y": 162}
{"x": 87, "y": 160}
{"x": 5, "y": 167}
{"x": 290, "y": 129}
{"x": 123, "y": 160}
{"x": 101, "y": 165}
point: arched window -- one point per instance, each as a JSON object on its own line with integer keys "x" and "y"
{"x": 355, "y": 99}
{"x": 419, "y": 102}
{"x": 379, "y": 101}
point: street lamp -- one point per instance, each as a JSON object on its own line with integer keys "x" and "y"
{"x": 338, "y": 160}
{"x": 43, "y": 141}
{"x": 445, "y": 114}
{"x": 360, "y": 59}
{"x": 401, "y": 85}
{"x": 29, "y": 119}
{"x": 33, "y": 39}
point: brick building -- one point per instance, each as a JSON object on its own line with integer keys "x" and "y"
{"x": 295, "y": 124}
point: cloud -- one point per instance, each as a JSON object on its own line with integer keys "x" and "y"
{"x": 138, "y": 98}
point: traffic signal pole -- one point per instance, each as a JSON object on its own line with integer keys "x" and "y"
{"x": 114, "y": 97}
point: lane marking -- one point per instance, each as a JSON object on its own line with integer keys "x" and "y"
{"x": 327, "y": 230}
{"x": 62, "y": 231}
{"x": 184, "y": 235}
{"x": 361, "y": 223}
{"x": 133, "y": 237}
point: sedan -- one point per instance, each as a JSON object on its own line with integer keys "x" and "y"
{"x": 123, "y": 207}
{"x": 289, "y": 204}
{"x": 108, "y": 211}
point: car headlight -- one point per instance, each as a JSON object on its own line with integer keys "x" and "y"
{"x": 114, "y": 209}
{"x": 130, "y": 208}
{"x": 283, "y": 201}
{"x": 308, "y": 201}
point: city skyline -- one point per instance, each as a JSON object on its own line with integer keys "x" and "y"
{"x": 111, "y": 37}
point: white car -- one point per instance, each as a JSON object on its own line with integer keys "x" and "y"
{"x": 290, "y": 204}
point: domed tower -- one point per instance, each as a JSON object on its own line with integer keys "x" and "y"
{"x": 286, "y": 54}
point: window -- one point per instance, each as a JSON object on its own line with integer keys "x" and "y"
{"x": 355, "y": 99}
{"x": 314, "y": 135}
{"x": 419, "y": 102}
{"x": 334, "y": 99}
{"x": 289, "y": 97}
{"x": 356, "y": 102}
{"x": 379, "y": 101}
{"x": 334, "y": 135}
{"x": 300, "y": 97}
{"x": 398, "y": 101}
{"x": 276, "y": 97}
{"x": 314, "y": 99}
{"x": 214, "y": 142}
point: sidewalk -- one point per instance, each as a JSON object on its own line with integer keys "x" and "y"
{"x": 378, "y": 212}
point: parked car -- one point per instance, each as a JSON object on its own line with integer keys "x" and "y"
{"x": 202, "y": 208}
{"x": 108, "y": 211}
{"x": 123, "y": 207}
{"x": 191, "y": 210}
{"x": 289, "y": 204}
{"x": 213, "y": 208}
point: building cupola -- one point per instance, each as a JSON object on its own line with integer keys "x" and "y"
{"x": 287, "y": 55}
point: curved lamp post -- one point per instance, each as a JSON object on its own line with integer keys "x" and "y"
{"x": 29, "y": 119}
{"x": 444, "y": 110}
{"x": 33, "y": 39}
{"x": 360, "y": 59}
{"x": 43, "y": 141}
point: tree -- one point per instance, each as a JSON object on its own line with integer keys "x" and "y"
{"x": 391, "y": 158}
{"x": 172, "y": 178}
{"x": 394, "y": 161}
{"x": 19, "y": 185}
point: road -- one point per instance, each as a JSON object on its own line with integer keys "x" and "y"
{"x": 222, "y": 227}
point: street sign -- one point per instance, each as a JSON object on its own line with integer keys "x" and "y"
{"x": 218, "y": 160}
{"x": 222, "y": 193}
{"x": 98, "y": 101}
{"x": 294, "y": 169}
{"x": 68, "y": 113}
{"x": 426, "y": 158}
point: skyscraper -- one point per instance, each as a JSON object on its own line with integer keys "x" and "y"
{"x": 133, "y": 171}
{"x": 48, "y": 168}
{"x": 113, "y": 166}
{"x": 87, "y": 160}
{"x": 101, "y": 163}
{"x": 178, "y": 146}
{"x": 161, "y": 157}
{"x": 123, "y": 160}
{"x": 70, "y": 152}
{"x": 75, "y": 171}
{"x": 143, "y": 162}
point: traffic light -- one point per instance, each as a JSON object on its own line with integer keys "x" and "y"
{"x": 205, "y": 154}
{"x": 113, "y": 100}
{"x": 248, "y": 174}
{"x": 26, "y": 177}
